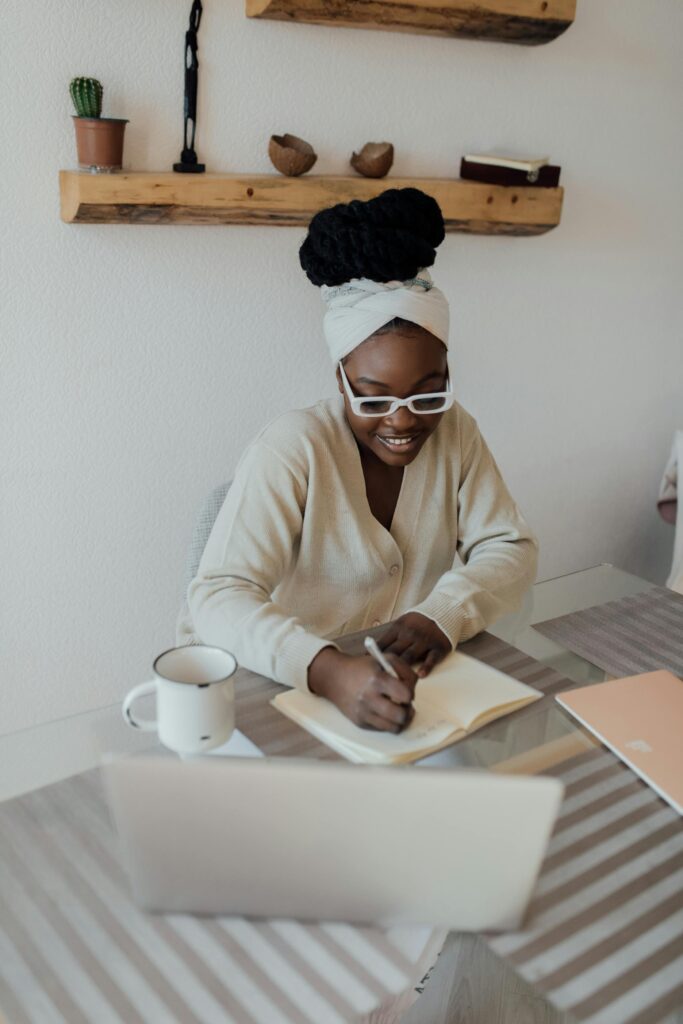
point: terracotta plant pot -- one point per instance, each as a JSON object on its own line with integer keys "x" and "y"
{"x": 99, "y": 143}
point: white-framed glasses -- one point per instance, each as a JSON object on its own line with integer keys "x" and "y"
{"x": 386, "y": 405}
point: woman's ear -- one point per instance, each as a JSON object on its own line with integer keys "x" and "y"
{"x": 340, "y": 383}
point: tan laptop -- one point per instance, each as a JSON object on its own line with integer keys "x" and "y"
{"x": 640, "y": 718}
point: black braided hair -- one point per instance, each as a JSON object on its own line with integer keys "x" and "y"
{"x": 388, "y": 238}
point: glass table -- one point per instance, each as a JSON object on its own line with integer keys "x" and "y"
{"x": 46, "y": 753}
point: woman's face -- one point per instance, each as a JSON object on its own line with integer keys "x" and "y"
{"x": 403, "y": 362}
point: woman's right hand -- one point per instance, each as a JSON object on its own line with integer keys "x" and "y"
{"x": 363, "y": 691}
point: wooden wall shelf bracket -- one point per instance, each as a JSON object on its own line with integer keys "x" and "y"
{"x": 271, "y": 199}
{"x": 527, "y": 22}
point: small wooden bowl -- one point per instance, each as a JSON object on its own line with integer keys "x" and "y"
{"x": 374, "y": 159}
{"x": 291, "y": 155}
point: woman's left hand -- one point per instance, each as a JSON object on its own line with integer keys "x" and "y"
{"x": 414, "y": 638}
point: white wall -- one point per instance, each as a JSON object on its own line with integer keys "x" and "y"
{"x": 129, "y": 353}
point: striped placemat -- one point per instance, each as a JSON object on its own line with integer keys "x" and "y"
{"x": 74, "y": 949}
{"x": 604, "y": 934}
{"x": 634, "y": 634}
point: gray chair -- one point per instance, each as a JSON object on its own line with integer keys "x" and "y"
{"x": 202, "y": 528}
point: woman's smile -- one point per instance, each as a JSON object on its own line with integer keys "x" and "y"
{"x": 402, "y": 444}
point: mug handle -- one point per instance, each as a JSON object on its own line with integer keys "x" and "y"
{"x": 146, "y": 724}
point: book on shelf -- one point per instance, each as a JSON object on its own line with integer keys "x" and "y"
{"x": 499, "y": 169}
{"x": 459, "y": 696}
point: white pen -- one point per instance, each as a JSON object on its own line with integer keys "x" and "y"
{"x": 373, "y": 650}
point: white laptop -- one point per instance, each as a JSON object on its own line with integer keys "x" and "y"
{"x": 325, "y": 841}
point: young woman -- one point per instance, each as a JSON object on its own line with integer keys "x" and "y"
{"x": 383, "y": 505}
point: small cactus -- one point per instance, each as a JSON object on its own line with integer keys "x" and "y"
{"x": 87, "y": 96}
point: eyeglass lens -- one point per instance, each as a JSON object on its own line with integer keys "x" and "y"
{"x": 378, "y": 406}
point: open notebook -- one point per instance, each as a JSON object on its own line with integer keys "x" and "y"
{"x": 459, "y": 696}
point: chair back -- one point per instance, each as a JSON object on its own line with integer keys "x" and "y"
{"x": 202, "y": 528}
{"x": 671, "y": 509}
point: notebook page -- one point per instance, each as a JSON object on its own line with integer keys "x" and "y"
{"x": 326, "y": 722}
{"x": 471, "y": 693}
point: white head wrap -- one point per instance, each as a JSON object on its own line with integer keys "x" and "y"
{"x": 359, "y": 307}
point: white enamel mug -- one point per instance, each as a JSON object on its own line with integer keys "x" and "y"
{"x": 195, "y": 698}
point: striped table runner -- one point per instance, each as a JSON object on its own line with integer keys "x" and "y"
{"x": 635, "y": 634}
{"x": 604, "y": 934}
{"x": 603, "y": 939}
{"x": 74, "y": 949}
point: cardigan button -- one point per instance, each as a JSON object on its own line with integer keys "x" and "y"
{"x": 393, "y": 570}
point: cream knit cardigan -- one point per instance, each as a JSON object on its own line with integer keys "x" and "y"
{"x": 296, "y": 557}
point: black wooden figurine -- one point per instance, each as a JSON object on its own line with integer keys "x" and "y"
{"x": 188, "y": 158}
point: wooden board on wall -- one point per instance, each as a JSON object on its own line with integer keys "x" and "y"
{"x": 528, "y": 22}
{"x": 168, "y": 198}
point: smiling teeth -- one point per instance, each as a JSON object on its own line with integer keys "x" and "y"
{"x": 397, "y": 441}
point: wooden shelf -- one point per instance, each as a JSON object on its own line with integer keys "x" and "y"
{"x": 169, "y": 198}
{"x": 528, "y": 22}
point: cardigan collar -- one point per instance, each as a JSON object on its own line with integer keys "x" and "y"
{"x": 410, "y": 495}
